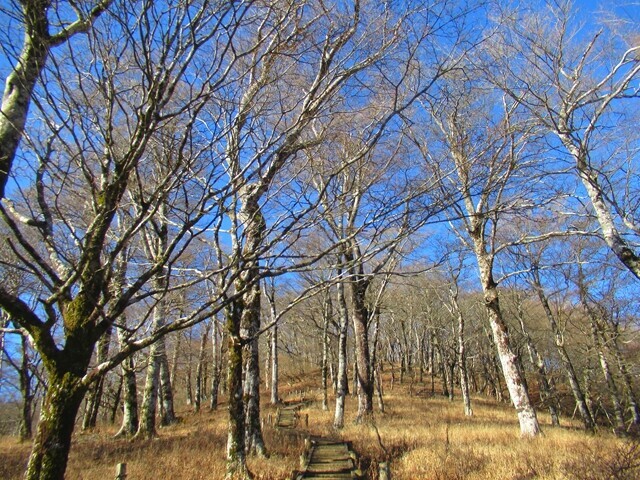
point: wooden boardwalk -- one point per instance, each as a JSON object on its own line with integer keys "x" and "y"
{"x": 288, "y": 416}
{"x": 323, "y": 459}
{"x": 329, "y": 460}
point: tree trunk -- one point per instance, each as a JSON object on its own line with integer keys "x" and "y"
{"x": 236, "y": 459}
{"x": 130, "y": 398}
{"x": 363, "y": 357}
{"x": 462, "y": 363}
{"x": 175, "y": 360}
{"x": 327, "y": 314}
{"x": 216, "y": 367}
{"x": 616, "y": 242}
{"x": 250, "y": 324}
{"x": 50, "y": 451}
{"x": 527, "y": 418}
{"x": 341, "y": 392}
{"x": 147, "y": 421}
{"x": 273, "y": 348}
{"x": 606, "y": 372}
{"x": 515, "y": 385}
{"x": 612, "y": 346}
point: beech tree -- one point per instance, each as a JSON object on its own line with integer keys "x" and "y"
{"x": 484, "y": 154}
{"x": 103, "y": 103}
{"x": 35, "y": 22}
{"x": 581, "y": 84}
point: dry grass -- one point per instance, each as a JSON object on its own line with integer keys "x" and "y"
{"x": 428, "y": 437}
{"x": 424, "y": 437}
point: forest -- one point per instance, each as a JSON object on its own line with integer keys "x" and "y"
{"x": 210, "y": 208}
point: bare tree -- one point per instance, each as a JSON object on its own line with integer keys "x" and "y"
{"x": 581, "y": 85}
{"x": 485, "y": 154}
{"x": 37, "y": 45}
{"x": 103, "y": 103}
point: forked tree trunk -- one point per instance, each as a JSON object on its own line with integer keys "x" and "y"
{"x": 341, "y": 391}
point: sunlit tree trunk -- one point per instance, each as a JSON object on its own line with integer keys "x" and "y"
{"x": 612, "y": 345}
{"x": 327, "y": 312}
{"x": 608, "y": 376}
{"x": 273, "y": 378}
{"x": 462, "y": 357}
{"x": 341, "y": 392}
{"x": 515, "y": 385}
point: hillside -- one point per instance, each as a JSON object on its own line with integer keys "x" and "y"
{"x": 425, "y": 436}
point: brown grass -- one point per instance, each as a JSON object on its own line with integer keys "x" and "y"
{"x": 424, "y": 437}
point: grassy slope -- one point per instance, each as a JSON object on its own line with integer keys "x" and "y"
{"x": 424, "y": 436}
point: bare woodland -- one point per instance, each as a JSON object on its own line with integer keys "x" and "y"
{"x": 445, "y": 192}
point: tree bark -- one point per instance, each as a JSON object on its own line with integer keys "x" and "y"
{"x": 166, "y": 391}
{"x": 359, "y": 287}
{"x": 612, "y": 346}
{"x": 327, "y": 315}
{"x": 608, "y": 377}
{"x": 341, "y": 392}
{"x": 236, "y": 460}
{"x": 273, "y": 348}
{"x": 527, "y": 418}
{"x": 462, "y": 362}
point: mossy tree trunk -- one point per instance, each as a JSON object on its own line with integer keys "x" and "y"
{"x": 236, "y": 459}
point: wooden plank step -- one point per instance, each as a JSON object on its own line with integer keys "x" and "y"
{"x": 345, "y": 467}
{"x": 328, "y": 476}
